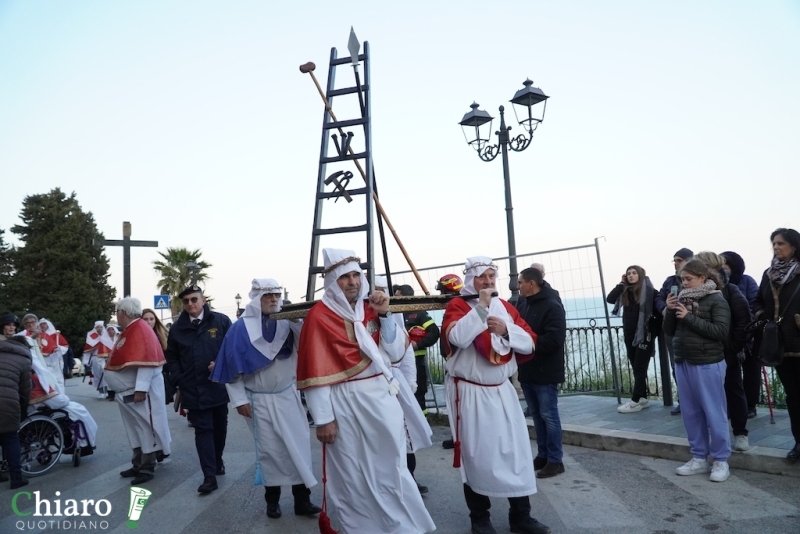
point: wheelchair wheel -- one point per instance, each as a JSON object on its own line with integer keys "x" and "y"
{"x": 76, "y": 457}
{"x": 41, "y": 442}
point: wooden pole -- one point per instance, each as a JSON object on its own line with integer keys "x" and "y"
{"x": 309, "y": 68}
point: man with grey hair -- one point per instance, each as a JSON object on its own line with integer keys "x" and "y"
{"x": 134, "y": 371}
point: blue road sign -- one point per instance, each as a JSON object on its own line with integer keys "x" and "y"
{"x": 161, "y": 302}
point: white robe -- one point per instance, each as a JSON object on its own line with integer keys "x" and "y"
{"x": 496, "y": 457}
{"x": 279, "y": 424}
{"x": 76, "y": 412}
{"x": 99, "y": 372}
{"x": 55, "y": 363}
{"x": 368, "y": 477}
{"x": 137, "y": 416}
{"x": 418, "y": 431}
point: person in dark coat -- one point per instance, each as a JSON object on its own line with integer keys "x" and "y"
{"x": 541, "y": 308}
{"x": 778, "y": 295}
{"x": 636, "y": 295}
{"x": 678, "y": 261}
{"x": 751, "y": 368}
{"x": 192, "y": 346}
{"x": 15, "y": 390}
{"x": 734, "y": 350}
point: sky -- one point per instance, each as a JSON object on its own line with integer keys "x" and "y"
{"x": 669, "y": 125}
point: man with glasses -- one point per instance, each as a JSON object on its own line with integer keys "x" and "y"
{"x": 679, "y": 259}
{"x": 192, "y": 346}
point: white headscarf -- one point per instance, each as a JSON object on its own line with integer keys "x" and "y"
{"x": 474, "y": 267}
{"x": 252, "y": 318}
{"x": 99, "y": 323}
{"x": 381, "y": 281}
{"x": 50, "y": 328}
{"x": 337, "y": 263}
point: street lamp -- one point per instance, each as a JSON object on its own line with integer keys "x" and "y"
{"x": 193, "y": 269}
{"x": 523, "y": 103}
{"x": 238, "y": 298}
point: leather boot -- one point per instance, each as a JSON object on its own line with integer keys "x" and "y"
{"x": 272, "y": 494}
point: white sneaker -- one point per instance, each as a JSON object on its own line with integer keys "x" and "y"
{"x": 695, "y": 466}
{"x": 720, "y": 472}
{"x": 741, "y": 443}
{"x": 644, "y": 403}
{"x": 630, "y": 407}
{"x": 101, "y": 395}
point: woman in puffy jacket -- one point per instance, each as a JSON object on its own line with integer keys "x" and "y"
{"x": 778, "y": 295}
{"x": 699, "y": 319}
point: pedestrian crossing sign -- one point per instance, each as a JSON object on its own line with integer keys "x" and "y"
{"x": 161, "y": 302}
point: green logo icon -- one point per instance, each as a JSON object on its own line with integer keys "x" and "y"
{"x": 139, "y": 498}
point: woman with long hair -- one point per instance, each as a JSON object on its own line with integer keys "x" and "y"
{"x": 734, "y": 348}
{"x": 636, "y": 295}
{"x": 149, "y": 316}
{"x": 699, "y": 319}
{"x": 779, "y": 296}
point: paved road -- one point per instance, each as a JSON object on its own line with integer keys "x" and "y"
{"x": 600, "y": 492}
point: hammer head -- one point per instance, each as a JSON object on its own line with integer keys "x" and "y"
{"x": 307, "y": 67}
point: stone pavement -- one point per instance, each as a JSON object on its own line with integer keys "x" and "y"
{"x": 593, "y": 422}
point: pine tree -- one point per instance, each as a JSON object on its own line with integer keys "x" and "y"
{"x": 6, "y": 271}
{"x": 59, "y": 273}
{"x": 175, "y": 276}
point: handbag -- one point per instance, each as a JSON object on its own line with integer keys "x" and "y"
{"x": 768, "y": 337}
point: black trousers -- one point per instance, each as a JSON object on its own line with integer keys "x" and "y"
{"x": 751, "y": 368}
{"x": 640, "y": 361}
{"x": 210, "y": 431}
{"x": 422, "y": 380}
{"x": 519, "y": 507}
{"x": 734, "y": 395}
{"x": 301, "y": 494}
{"x": 789, "y": 374}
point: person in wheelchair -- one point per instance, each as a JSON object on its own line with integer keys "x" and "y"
{"x": 79, "y": 427}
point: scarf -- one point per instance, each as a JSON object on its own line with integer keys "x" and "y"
{"x": 690, "y": 296}
{"x": 782, "y": 272}
{"x": 642, "y": 337}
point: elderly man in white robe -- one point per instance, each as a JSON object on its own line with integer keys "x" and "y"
{"x": 258, "y": 365}
{"x": 418, "y": 431}
{"x": 347, "y": 345}
{"x": 134, "y": 371}
{"x": 485, "y": 337}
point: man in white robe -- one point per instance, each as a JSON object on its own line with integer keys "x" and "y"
{"x": 418, "y": 431}
{"x": 134, "y": 372}
{"x": 95, "y": 353}
{"x": 344, "y": 361}
{"x": 484, "y": 338}
{"x": 53, "y": 346}
{"x": 258, "y": 365}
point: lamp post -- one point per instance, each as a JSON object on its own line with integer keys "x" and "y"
{"x": 525, "y": 99}
{"x": 238, "y": 298}
{"x": 193, "y": 269}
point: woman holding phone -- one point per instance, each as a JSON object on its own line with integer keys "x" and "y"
{"x": 636, "y": 295}
{"x": 699, "y": 319}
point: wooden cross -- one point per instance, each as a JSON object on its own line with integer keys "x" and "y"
{"x": 126, "y": 245}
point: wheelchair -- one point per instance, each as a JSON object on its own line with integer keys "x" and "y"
{"x": 44, "y": 436}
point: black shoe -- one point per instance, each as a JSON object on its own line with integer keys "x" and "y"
{"x": 129, "y": 473}
{"x": 539, "y": 463}
{"x": 529, "y": 526}
{"x": 794, "y": 454}
{"x": 751, "y": 413}
{"x": 483, "y": 527}
{"x": 422, "y": 489}
{"x": 676, "y": 410}
{"x": 17, "y": 481}
{"x": 209, "y": 484}
{"x": 306, "y": 508}
{"x": 3, "y": 477}
{"x": 448, "y": 444}
{"x": 111, "y": 395}
{"x": 274, "y": 510}
{"x": 141, "y": 478}
{"x": 220, "y": 468}
{"x": 160, "y": 456}
{"x": 550, "y": 470}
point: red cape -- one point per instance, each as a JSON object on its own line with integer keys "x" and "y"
{"x": 328, "y": 352}
{"x": 137, "y": 346}
{"x": 458, "y": 308}
{"x": 49, "y": 342}
{"x": 37, "y": 391}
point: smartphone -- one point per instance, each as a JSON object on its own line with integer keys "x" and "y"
{"x": 674, "y": 290}
{"x": 127, "y": 399}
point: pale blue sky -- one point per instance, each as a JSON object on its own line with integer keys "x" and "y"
{"x": 670, "y": 124}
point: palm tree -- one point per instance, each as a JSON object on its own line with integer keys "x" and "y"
{"x": 174, "y": 274}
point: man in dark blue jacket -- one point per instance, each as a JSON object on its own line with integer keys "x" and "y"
{"x": 541, "y": 308}
{"x": 678, "y": 260}
{"x": 192, "y": 346}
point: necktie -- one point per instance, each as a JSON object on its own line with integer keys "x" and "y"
{"x": 195, "y": 322}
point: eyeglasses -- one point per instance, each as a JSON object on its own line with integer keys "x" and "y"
{"x": 192, "y": 300}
